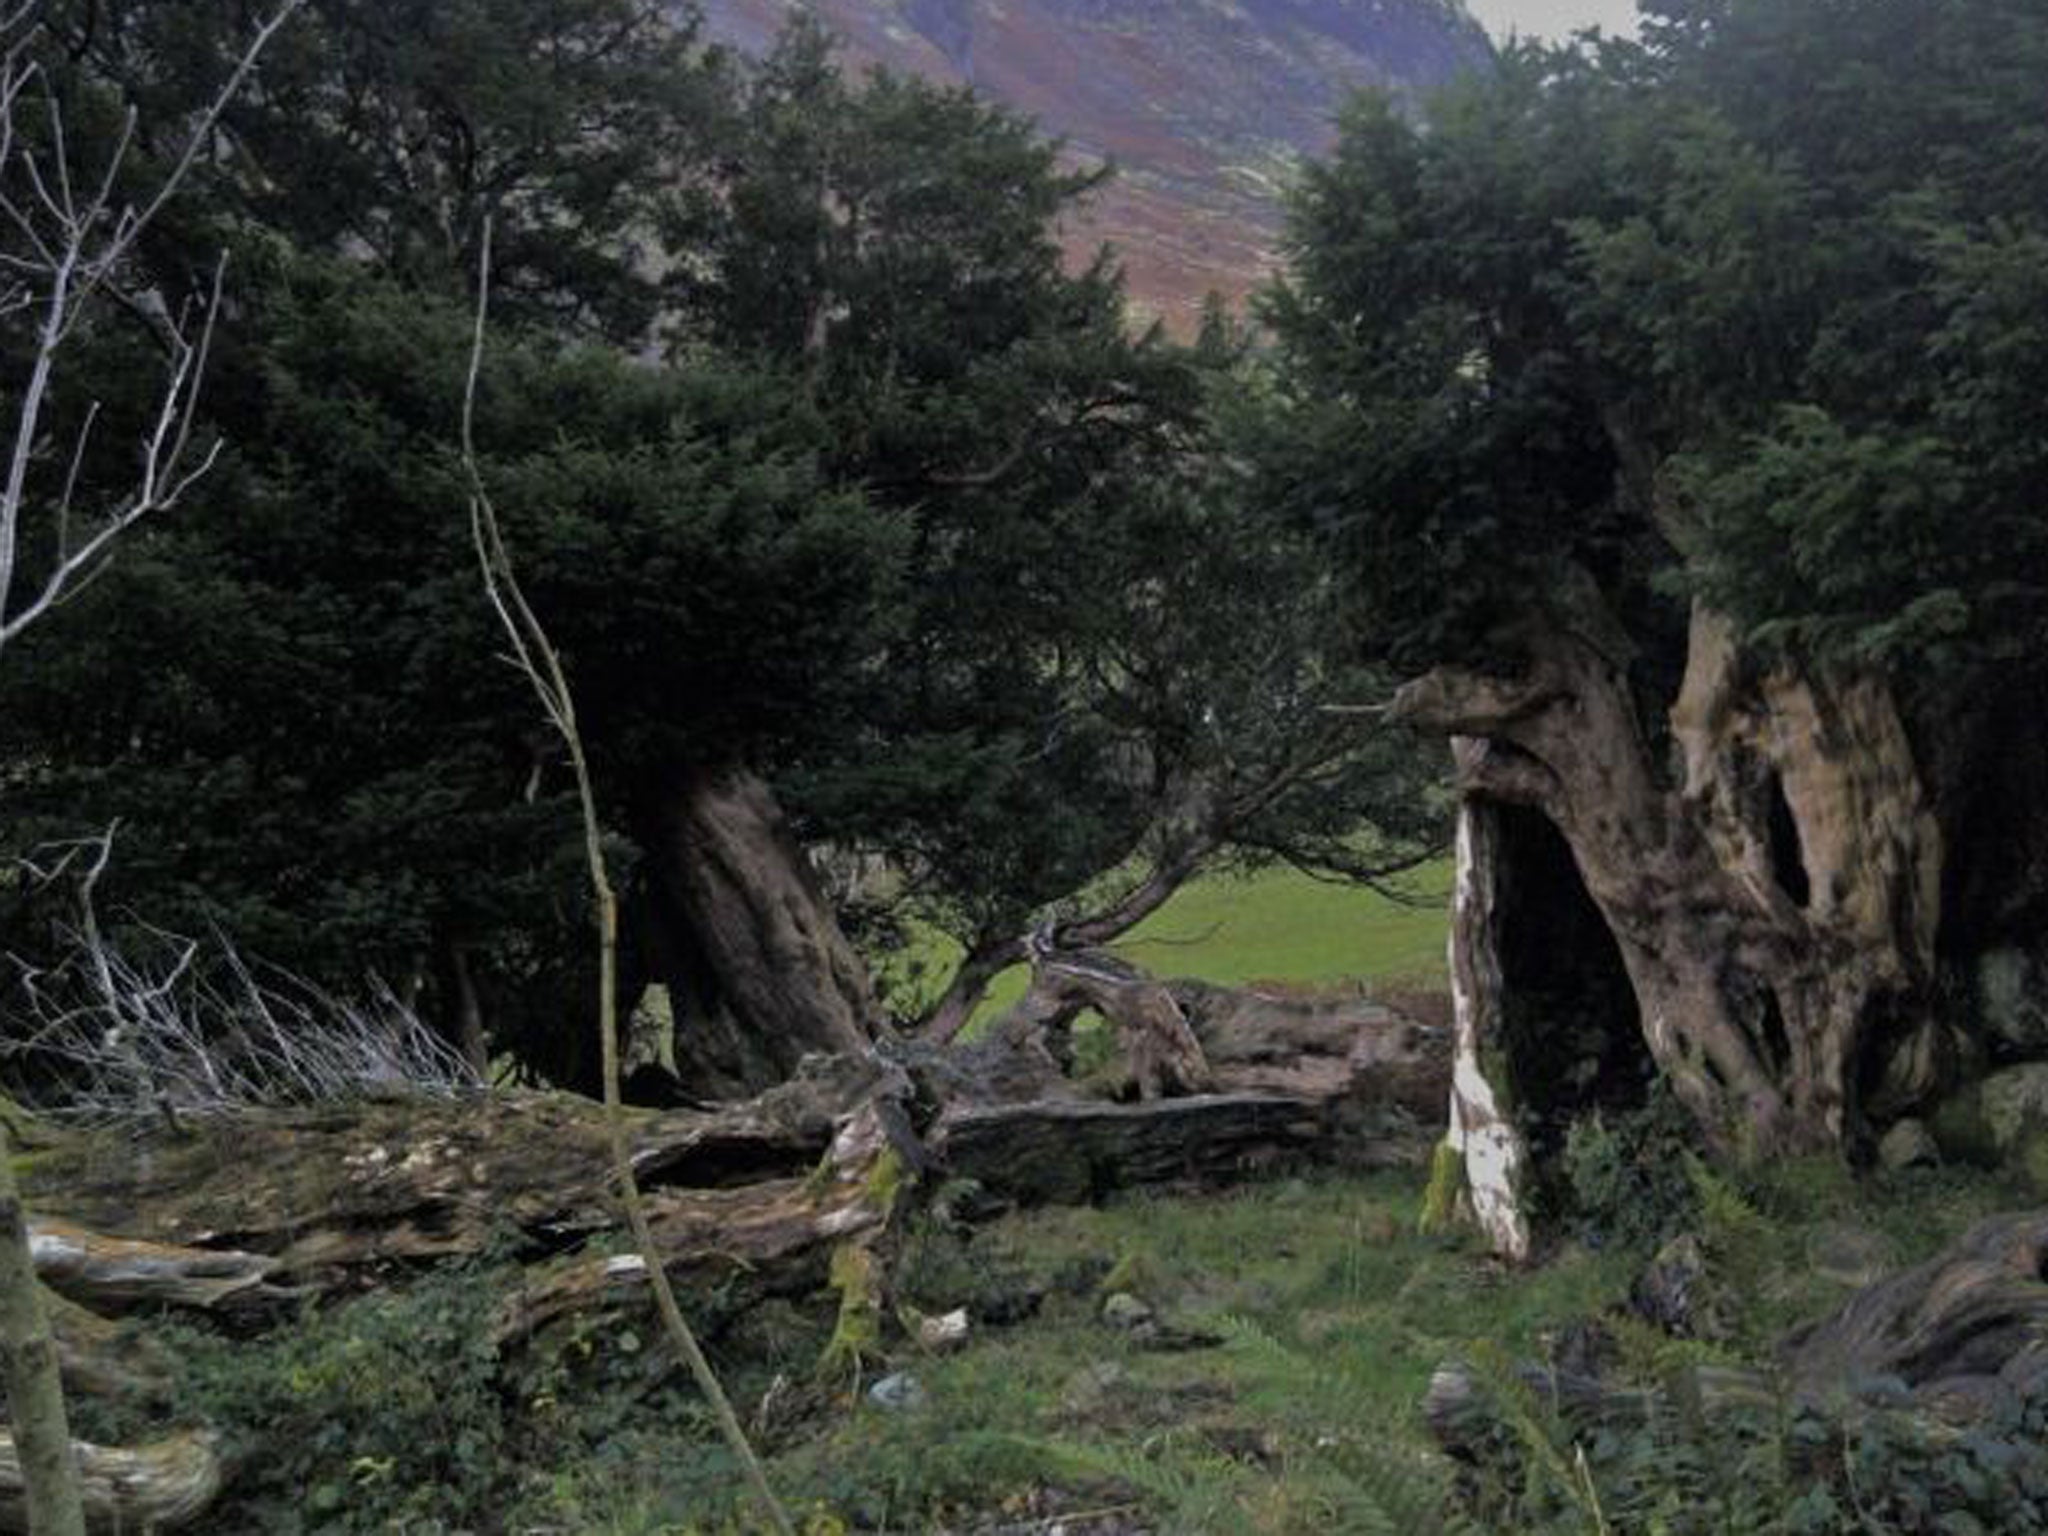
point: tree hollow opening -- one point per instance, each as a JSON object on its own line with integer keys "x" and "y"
{"x": 1571, "y": 1026}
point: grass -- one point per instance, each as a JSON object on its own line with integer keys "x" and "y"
{"x": 1276, "y": 925}
{"x": 1328, "y": 1312}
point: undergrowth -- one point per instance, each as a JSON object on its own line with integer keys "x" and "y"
{"x": 1311, "y": 1312}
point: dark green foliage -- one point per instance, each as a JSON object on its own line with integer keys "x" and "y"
{"x": 1628, "y": 1176}
{"x": 291, "y": 697}
{"x": 382, "y": 1414}
{"x": 390, "y": 130}
{"x": 1754, "y": 304}
{"x": 1760, "y": 1465}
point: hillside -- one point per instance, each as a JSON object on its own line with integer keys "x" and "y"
{"x": 1201, "y": 104}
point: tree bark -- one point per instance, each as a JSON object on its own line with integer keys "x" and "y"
{"x": 1077, "y": 1151}
{"x": 50, "y": 1502}
{"x": 1483, "y": 1132}
{"x": 778, "y": 978}
{"x": 1160, "y": 1052}
{"x": 470, "y": 1037}
{"x": 990, "y": 956}
{"x": 163, "y": 1486}
{"x": 1772, "y": 906}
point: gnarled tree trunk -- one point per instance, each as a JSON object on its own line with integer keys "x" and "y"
{"x": 762, "y": 974}
{"x": 1773, "y": 895}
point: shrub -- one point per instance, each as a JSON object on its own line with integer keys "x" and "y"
{"x": 378, "y": 1415}
{"x": 1626, "y": 1175}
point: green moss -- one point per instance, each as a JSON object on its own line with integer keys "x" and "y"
{"x": 2030, "y": 1159}
{"x": 857, "y": 1333}
{"x": 1962, "y": 1130}
{"x": 1445, "y": 1189}
{"x": 1137, "y": 1272}
{"x": 887, "y": 1179}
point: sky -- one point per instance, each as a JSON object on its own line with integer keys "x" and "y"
{"x": 1553, "y": 20}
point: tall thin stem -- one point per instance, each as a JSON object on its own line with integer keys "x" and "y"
{"x": 542, "y": 664}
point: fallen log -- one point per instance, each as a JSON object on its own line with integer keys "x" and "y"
{"x": 777, "y": 1236}
{"x": 1080, "y": 1150}
{"x": 157, "y": 1487}
{"x": 99, "y": 1357}
{"x": 323, "y": 1200}
{"x": 1184, "y": 1036}
{"x": 1963, "y": 1332}
{"x": 1948, "y": 1346}
{"x": 1160, "y": 1052}
{"x": 116, "y": 1274}
{"x": 1323, "y": 1048}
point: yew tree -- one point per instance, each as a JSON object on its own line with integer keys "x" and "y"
{"x": 1677, "y": 407}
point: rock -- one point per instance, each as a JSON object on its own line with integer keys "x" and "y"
{"x": 2012, "y": 1002}
{"x": 1908, "y": 1144}
{"x": 1672, "y": 1291}
{"x": 897, "y": 1392}
{"x": 944, "y": 1333}
{"x": 1125, "y": 1312}
{"x": 1006, "y": 1302}
{"x": 2013, "y": 1102}
{"x": 1989, "y": 1121}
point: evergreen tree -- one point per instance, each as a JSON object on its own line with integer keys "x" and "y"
{"x": 1742, "y": 315}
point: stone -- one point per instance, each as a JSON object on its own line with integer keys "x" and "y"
{"x": 897, "y": 1392}
{"x": 1672, "y": 1292}
{"x": 1125, "y": 1312}
{"x": 1989, "y": 1121}
{"x": 944, "y": 1333}
{"x": 2012, "y": 1002}
{"x": 1908, "y": 1144}
{"x": 2014, "y": 1101}
{"x": 1007, "y": 1300}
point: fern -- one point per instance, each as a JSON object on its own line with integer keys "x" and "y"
{"x": 1390, "y": 1485}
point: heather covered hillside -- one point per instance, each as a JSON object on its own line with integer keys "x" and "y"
{"x": 1203, "y": 105}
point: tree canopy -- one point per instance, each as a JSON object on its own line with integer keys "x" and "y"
{"x": 821, "y": 463}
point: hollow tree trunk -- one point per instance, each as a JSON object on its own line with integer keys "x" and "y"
{"x": 769, "y": 972}
{"x": 1771, "y": 907}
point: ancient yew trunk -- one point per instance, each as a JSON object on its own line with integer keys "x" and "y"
{"x": 1772, "y": 890}
{"x": 735, "y": 922}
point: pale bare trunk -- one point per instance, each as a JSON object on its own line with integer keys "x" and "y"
{"x": 35, "y": 1392}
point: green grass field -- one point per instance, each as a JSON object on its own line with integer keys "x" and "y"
{"x": 1275, "y": 926}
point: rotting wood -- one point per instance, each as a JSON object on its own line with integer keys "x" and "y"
{"x": 1079, "y": 1150}
{"x": 1962, "y": 1332}
{"x": 1179, "y": 1036}
{"x": 163, "y": 1486}
{"x": 116, "y": 1274}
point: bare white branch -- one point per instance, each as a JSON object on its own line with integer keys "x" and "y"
{"x": 66, "y": 252}
{"x": 165, "y": 1028}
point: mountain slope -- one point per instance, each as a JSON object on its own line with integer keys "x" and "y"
{"x": 1203, "y": 105}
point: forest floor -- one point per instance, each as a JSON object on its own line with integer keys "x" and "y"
{"x": 1271, "y": 1382}
{"x": 1247, "y": 1360}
